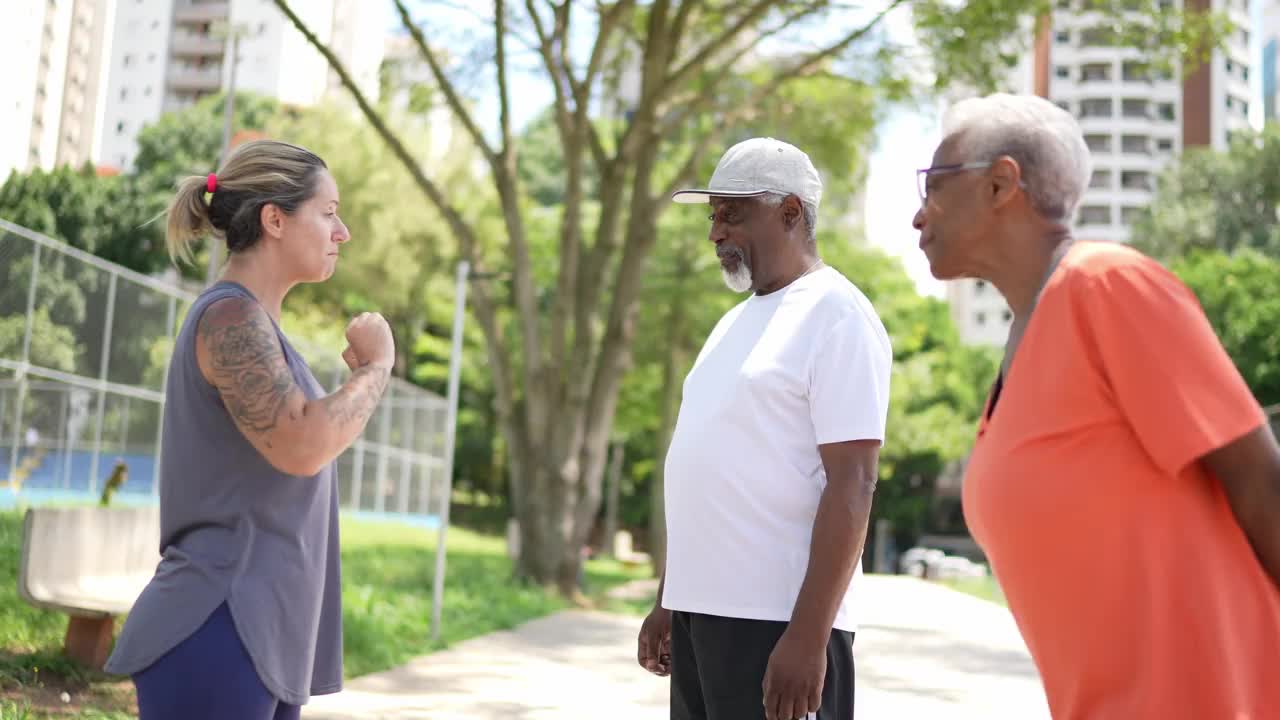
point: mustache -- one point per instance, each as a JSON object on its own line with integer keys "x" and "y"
{"x": 725, "y": 252}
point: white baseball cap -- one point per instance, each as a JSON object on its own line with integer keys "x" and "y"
{"x": 757, "y": 167}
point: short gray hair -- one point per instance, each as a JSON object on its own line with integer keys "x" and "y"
{"x": 810, "y": 212}
{"x": 1045, "y": 141}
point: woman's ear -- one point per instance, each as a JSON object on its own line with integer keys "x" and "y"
{"x": 272, "y": 220}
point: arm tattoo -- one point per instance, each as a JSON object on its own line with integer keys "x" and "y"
{"x": 358, "y": 398}
{"x": 247, "y": 364}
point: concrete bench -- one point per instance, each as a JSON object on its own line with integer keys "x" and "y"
{"x": 90, "y": 563}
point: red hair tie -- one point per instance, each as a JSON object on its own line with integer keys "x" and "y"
{"x": 212, "y": 183}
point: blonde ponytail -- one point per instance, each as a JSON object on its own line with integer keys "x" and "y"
{"x": 188, "y": 219}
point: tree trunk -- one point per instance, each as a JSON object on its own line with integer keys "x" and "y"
{"x": 611, "y": 500}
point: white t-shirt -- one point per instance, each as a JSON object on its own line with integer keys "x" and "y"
{"x": 780, "y": 375}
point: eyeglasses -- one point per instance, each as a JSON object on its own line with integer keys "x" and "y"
{"x": 922, "y": 175}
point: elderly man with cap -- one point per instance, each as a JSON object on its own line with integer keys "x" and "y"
{"x": 773, "y": 463}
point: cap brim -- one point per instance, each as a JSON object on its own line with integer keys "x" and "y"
{"x": 691, "y": 197}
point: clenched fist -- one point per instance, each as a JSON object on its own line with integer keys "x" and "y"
{"x": 369, "y": 342}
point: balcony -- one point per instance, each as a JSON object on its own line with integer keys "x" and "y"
{"x": 1136, "y": 180}
{"x": 1135, "y": 145}
{"x": 183, "y": 45}
{"x": 201, "y": 10}
{"x": 190, "y": 79}
{"x": 1135, "y": 109}
{"x": 1095, "y": 73}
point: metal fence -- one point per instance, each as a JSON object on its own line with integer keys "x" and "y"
{"x": 84, "y": 350}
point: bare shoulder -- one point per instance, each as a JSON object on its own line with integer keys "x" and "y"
{"x": 241, "y": 356}
{"x": 235, "y": 330}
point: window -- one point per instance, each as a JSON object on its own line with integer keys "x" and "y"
{"x": 124, "y": 93}
{"x": 128, "y": 60}
{"x": 1095, "y": 215}
{"x": 979, "y": 286}
{"x": 1098, "y": 142}
{"x": 1135, "y": 109}
{"x": 1095, "y": 72}
{"x": 1165, "y": 145}
{"x": 1231, "y": 67}
{"x": 1135, "y": 180}
{"x": 1244, "y": 73}
{"x": 1063, "y": 72}
{"x": 1230, "y": 102}
{"x": 1095, "y": 107}
{"x": 1129, "y": 215}
{"x": 1101, "y": 179}
{"x": 1135, "y": 145}
{"x": 1008, "y": 316}
{"x": 1166, "y": 111}
{"x": 147, "y": 91}
{"x": 1244, "y": 107}
{"x": 1063, "y": 104}
{"x": 1063, "y": 37}
{"x": 120, "y": 128}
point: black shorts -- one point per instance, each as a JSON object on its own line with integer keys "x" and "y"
{"x": 718, "y": 666}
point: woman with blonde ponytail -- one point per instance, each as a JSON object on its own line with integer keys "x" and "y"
{"x": 243, "y": 618}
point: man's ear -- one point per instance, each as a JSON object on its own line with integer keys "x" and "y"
{"x": 1006, "y": 180}
{"x": 792, "y": 211}
{"x": 272, "y": 220}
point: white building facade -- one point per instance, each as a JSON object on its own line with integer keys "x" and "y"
{"x": 53, "y": 53}
{"x": 168, "y": 54}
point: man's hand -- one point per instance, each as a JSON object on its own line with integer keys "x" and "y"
{"x": 794, "y": 679}
{"x": 654, "y": 652}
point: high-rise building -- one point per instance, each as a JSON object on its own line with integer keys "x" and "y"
{"x": 1135, "y": 121}
{"x": 1270, "y": 58}
{"x": 84, "y": 93}
{"x": 168, "y": 54}
{"x": 53, "y": 53}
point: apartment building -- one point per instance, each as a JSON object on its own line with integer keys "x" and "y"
{"x": 53, "y": 52}
{"x": 1135, "y": 121}
{"x": 1270, "y": 42}
{"x": 168, "y": 54}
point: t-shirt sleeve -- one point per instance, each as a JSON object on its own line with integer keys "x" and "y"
{"x": 1174, "y": 383}
{"x": 849, "y": 382}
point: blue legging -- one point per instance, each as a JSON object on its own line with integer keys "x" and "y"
{"x": 209, "y": 675}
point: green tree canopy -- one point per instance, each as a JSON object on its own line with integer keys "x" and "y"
{"x": 1210, "y": 200}
{"x": 1239, "y": 294}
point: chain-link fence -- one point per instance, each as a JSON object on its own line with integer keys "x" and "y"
{"x": 84, "y": 351}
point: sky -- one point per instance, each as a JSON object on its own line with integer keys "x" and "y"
{"x": 905, "y": 139}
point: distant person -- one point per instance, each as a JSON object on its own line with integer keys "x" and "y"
{"x": 773, "y": 463}
{"x": 1124, "y": 482}
{"x": 243, "y": 618}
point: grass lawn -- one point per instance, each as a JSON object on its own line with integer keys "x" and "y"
{"x": 386, "y": 576}
{"x": 986, "y": 588}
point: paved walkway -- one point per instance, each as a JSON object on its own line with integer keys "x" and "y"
{"x": 922, "y": 651}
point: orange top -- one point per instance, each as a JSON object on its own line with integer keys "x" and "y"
{"x": 1135, "y": 588}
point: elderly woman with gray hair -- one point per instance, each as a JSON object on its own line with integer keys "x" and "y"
{"x": 1124, "y": 483}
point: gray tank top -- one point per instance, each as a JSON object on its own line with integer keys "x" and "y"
{"x": 235, "y": 529}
